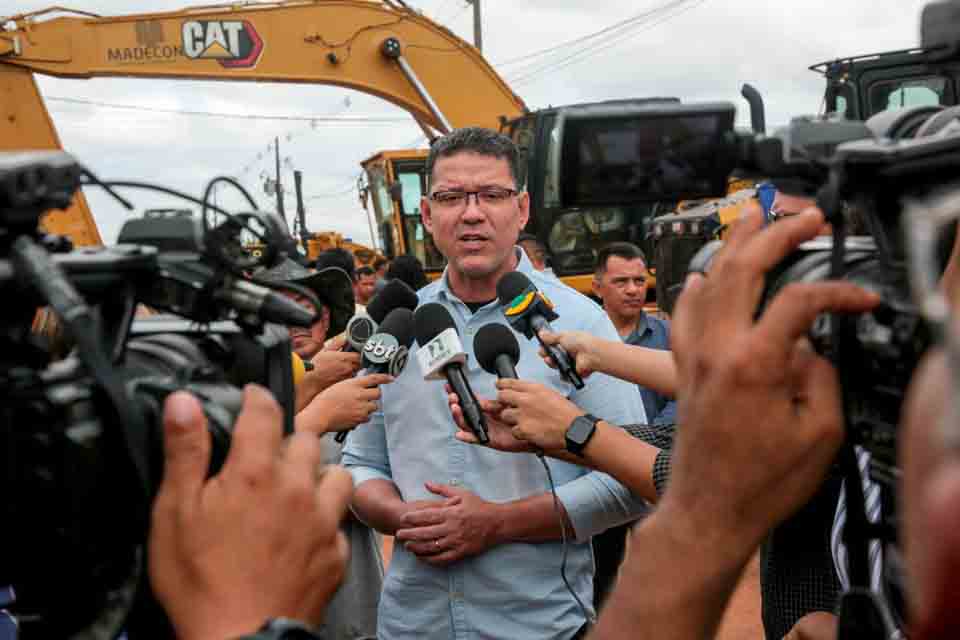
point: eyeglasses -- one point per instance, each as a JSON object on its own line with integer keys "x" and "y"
{"x": 486, "y": 198}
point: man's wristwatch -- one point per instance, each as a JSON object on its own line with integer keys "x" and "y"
{"x": 580, "y": 431}
{"x": 283, "y": 629}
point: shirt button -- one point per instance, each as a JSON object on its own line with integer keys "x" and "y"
{"x": 471, "y": 331}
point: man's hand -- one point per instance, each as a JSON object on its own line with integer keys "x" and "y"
{"x": 331, "y": 367}
{"x": 539, "y": 415}
{"x": 445, "y": 533}
{"x": 501, "y": 434}
{"x": 760, "y": 411}
{"x": 343, "y": 406}
{"x": 260, "y": 539}
{"x": 580, "y": 345}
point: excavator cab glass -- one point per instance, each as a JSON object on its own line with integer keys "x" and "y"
{"x": 573, "y": 236}
{"x": 418, "y": 241}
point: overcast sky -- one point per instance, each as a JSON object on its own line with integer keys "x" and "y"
{"x": 705, "y": 50}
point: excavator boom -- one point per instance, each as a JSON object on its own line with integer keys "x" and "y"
{"x": 377, "y": 47}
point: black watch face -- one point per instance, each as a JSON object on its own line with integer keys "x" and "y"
{"x": 579, "y": 432}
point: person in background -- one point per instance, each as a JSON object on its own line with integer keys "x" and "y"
{"x": 409, "y": 269}
{"x": 330, "y": 398}
{"x": 380, "y": 266}
{"x": 536, "y": 252}
{"x": 365, "y": 285}
{"x": 620, "y": 281}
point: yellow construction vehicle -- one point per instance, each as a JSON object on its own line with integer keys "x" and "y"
{"x": 378, "y": 47}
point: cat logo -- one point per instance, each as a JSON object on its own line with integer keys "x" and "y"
{"x": 235, "y": 44}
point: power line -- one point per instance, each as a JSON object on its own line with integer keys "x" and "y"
{"x": 623, "y": 29}
{"x": 589, "y": 36}
{"x": 659, "y": 15}
{"x": 238, "y": 116}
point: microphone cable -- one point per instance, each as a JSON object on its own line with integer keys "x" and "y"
{"x": 590, "y": 618}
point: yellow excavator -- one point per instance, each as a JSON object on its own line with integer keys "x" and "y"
{"x": 380, "y": 47}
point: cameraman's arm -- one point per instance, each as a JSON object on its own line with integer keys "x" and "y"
{"x": 219, "y": 568}
{"x": 761, "y": 425}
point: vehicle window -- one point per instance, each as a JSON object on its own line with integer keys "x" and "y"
{"x": 577, "y": 236}
{"x": 382, "y": 203}
{"x": 841, "y": 104}
{"x": 410, "y": 200}
{"x": 911, "y": 92}
{"x": 418, "y": 241}
{"x": 551, "y": 181}
{"x": 523, "y": 136}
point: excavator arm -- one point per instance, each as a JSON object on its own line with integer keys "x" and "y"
{"x": 378, "y": 47}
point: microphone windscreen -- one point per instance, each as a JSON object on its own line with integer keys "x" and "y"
{"x": 493, "y": 340}
{"x": 430, "y": 320}
{"x": 512, "y": 285}
{"x": 399, "y": 324}
{"x": 396, "y": 294}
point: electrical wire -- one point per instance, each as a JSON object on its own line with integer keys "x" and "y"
{"x": 618, "y": 40}
{"x": 564, "y": 45}
{"x": 237, "y": 116}
{"x": 592, "y": 619}
{"x": 614, "y": 35}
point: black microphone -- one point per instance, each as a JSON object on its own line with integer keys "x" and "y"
{"x": 497, "y": 350}
{"x": 396, "y": 294}
{"x": 266, "y": 304}
{"x": 442, "y": 356}
{"x": 529, "y": 311}
{"x": 387, "y": 350}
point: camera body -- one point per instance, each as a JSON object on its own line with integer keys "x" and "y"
{"x": 82, "y": 435}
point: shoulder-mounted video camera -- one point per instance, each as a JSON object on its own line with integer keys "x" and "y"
{"x": 81, "y": 436}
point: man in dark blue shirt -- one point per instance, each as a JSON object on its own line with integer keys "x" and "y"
{"x": 620, "y": 281}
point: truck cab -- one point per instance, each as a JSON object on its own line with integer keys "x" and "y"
{"x": 862, "y": 86}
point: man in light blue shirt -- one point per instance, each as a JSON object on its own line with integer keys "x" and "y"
{"x": 478, "y": 548}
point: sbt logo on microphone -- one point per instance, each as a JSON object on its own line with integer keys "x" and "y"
{"x": 380, "y": 348}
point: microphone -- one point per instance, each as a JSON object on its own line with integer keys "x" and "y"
{"x": 395, "y": 294}
{"x": 529, "y": 311}
{"x": 497, "y": 350}
{"x": 387, "y": 350}
{"x": 442, "y": 356}
{"x": 268, "y": 305}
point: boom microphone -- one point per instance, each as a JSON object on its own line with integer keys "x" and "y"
{"x": 396, "y": 294}
{"x": 497, "y": 350}
{"x": 529, "y": 311}
{"x": 442, "y": 356}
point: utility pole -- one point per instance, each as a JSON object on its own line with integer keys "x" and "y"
{"x": 477, "y": 26}
{"x": 301, "y": 214}
{"x": 278, "y": 184}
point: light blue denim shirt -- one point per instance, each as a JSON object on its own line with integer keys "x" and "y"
{"x": 512, "y": 591}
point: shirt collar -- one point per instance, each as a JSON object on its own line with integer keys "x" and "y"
{"x": 524, "y": 266}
